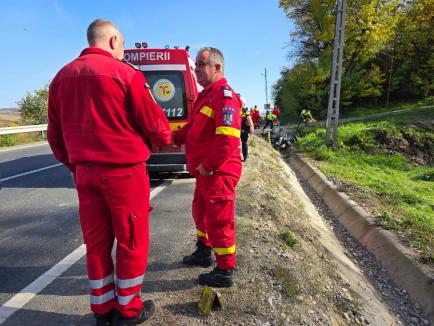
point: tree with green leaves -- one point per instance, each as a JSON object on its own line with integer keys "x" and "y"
{"x": 389, "y": 50}
{"x": 413, "y": 51}
{"x": 33, "y": 107}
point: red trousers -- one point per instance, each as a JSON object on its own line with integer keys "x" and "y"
{"x": 114, "y": 203}
{"x": 213, "y": 213}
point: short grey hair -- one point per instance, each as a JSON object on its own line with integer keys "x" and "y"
{"x": 215, "y": 56}
{"x": 96, "y": 30}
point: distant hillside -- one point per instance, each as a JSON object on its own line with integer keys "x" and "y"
{"x": 2, "y": 110}
{"x": 9, "y": 115}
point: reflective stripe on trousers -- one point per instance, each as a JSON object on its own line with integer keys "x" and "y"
{"x": 98, "y": 295}
{"x": 123, "y": 284}
{"x": 128, "y": 283}
{"x": 100, "y": 299}
{"x": 97, "y": 284}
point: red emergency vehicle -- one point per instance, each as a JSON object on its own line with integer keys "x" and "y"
{"x": 171, "y": 78}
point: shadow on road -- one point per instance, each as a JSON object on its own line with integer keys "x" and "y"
{"x": 37, "y": 317}
{"x": 55, "y": 177}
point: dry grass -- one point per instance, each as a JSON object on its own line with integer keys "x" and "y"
{"x": 276, "y": 282}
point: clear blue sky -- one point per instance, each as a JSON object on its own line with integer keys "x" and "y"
{"x": 38, "y": 37}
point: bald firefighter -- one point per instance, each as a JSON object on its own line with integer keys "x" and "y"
{"x": 101, "y": 117}
{"x": 212, "y": 141}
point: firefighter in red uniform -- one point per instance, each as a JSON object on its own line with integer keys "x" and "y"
{"x": 101, "y": 119}
{"x": 276, "y": 112}
{"x": 256, "y": 117}
{"x": 212, "y": 142}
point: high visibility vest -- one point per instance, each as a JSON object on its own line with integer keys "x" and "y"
{"x": 305, "y": 112}
{"x": 271, "y": 117}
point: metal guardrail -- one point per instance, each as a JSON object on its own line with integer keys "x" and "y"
{"x": 22, "y": 129}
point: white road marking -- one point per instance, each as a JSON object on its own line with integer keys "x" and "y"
{"x": 159, "y": 189}
{"x": 22, "y": 147}
{"x": 30, "y": 172}
{"x": 29, "y": 292}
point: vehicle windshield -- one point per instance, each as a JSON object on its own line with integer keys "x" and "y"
{"x": 168, "y": 88}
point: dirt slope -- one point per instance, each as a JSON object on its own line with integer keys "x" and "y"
{"x": 291, "y": 268}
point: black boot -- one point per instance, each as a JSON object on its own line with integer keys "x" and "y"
{"x": 104, "y": 320}
{"x": 201, "y": 257}
{"x": 146, "y": 313}
{"x": 218, "y": 278}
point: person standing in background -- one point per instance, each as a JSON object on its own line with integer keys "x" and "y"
{"x": 247, "y": 129}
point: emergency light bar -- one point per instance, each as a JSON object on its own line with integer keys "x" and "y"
{"x": 139, "y": 45}
{"x": 144, "y": 45}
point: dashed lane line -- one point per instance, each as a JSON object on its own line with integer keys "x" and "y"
{"x": 29, "y": 292}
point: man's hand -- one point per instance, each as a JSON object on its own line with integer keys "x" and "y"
{"x": 203, "y": 171}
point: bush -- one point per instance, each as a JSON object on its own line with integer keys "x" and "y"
{"x": 34, "y": 107}
{"x": 363, "y": 140}
{"x": 289, "y": 238}
{"x": 7, "y": 140}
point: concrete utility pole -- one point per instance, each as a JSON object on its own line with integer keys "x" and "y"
{"x": 266, "y": 87}
{"x": 335, "y": 75}
{"x": 267, "y": 105}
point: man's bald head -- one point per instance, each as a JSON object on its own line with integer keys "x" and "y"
{"x": 104, "y": 34}
{"x": 100, "y": 30}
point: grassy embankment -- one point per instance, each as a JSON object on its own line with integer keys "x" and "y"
{"x": 366, "y": 111}
{"x": 11, "y": 118}
{"x": 387, "y": 163}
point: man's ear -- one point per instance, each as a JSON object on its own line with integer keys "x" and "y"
{"x": 113, "y": 41}
{"x": 218, "y": 67}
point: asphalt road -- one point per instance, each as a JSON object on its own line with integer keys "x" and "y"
{"x": 39, "y": 226}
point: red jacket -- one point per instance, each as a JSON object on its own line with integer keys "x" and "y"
{"x": 276, "y": 111}
{"x": 212, "y": 136}
{"x": 100, "y": 110}
{"x": 255, "y": 116}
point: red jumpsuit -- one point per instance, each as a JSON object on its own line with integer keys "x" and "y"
{"x": 255, "y": 117}
{"x": 101, "y": 119}
{"x": 212, "y": 137}
{"x": 276, "y": 111}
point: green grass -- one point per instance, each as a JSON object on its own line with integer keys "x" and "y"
{"x": 370, "y": 157}
{"x": 289, "y": 238}
{"x": 364, "y": 111}
{"x": 7, "y": 140}
{"x": 19, "y": 139}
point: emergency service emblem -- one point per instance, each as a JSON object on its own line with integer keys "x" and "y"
{"x": 164, "y": 90}
{"x": 227, "y": 92}
{"x": 228, "y": 115}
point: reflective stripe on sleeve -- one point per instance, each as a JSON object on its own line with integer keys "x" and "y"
{"x": 207, "y": 111}
{"x": 201, "y": 234}
{"x": 127, "y": 283}
{"x": 124, "y": 300}
{"x": 100, "y": 299}
{"x": 224, "y": 251}
{"x": 229, "y": 131}
{"x": 97, "y": 284}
